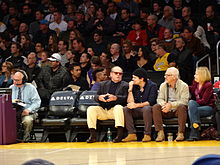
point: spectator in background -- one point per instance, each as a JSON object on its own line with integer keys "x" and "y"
{"x": 105, "y": 59}
{"x": 112, "y": 11}
{"x": 199, "y": 32}
{"x": 35, "y": 25}
{"x": 5, "y": 45}
{"x": 77, "y": 78}
{"x": 26, "y": 14}
{"x": 43, "y": 61}
{"x": 143, "y": 60}
{"x": 16, "y": 59}
{"x": 131, "y": 6}
{"x": 103, "y": 23}
{"x": 44, "y": 33}
{"x": 202, "y": 101}
{"x": 95, "y": 64}
{"x": 27, "y": 45}
{"x": 116, "y": 56}
{"x": 81, "y": 24}
{"x": 32, "y": 69}
{"x": 169, "y": 42}
{"x": 172, "y": 101}
{"x": 138, "y": 36}
{"x": 51, "y": 79}
{"x": 23, "y": 29}
{"x": 153, "y": 29}
{"x": 186, "y": 14}
{"x": 144, "y": 13}
{"x": 123, "y": 25}
{"x": 98, "y": 43}
{"x": 73, "y": 34}
{"x": 98, "y": 75}
{"x": 184, "y": 60}
{"x": 129, "y": 56}
{"x": 70, "y": 56}
{"x": 52, "y": 44}
{"x": 164, "y": 59}
{"x": 156, "y": 10}
{"x": 38, "y": 49}
{"x": 71, "y": 25}
{"x": 5, "y": 74}
{"x": 12, "y": 12}
{"x": 177, "y": 8}
{"x": 13, "y": 27}
{"x": 79, "y": 47}
{"x": 167, "y": 20}
{"x": 193, "y": 44}
{"x": 85, "y": 63}
{"x": 178, "y": 27}
{"x": 58, "y": 25}
{"x": 62, "y": 48}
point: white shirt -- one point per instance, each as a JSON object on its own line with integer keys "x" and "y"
{"x": 62, "y": 26}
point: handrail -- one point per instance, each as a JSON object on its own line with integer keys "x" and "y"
{"x": 201, "y": 59}
{"x": 217, "y": 55}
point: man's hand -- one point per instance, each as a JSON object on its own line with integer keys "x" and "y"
{"x": 132, "y": 105}
{"x": 166, "y": 108}
{"x": 131, "y": 83}
{"x": 25, "y": 112}
{"x": 111, "y": 97}
{"x": 102, "y": 98}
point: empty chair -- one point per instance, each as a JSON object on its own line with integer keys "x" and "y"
{"x": 61, "y": 109}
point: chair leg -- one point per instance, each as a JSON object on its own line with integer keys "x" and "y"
{"x": 73, "y": 136}
{"x": 102, "y": 135}
{"x": 67, "y": 133}
{"x": 44, "y": 136}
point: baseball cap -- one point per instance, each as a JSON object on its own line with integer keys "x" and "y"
{"x": 55, "y": 57}
{"x": 44, "y": 21}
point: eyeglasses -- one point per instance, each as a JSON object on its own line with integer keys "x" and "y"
{"x": 118, "y": 73}
{"x": 166, "y": 75}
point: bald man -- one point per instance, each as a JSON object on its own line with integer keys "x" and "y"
{"x": 27, "y": 94}
{"x": 112, "y": 95}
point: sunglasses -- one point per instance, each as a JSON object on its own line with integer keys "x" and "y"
{"x": 118, "y": 73}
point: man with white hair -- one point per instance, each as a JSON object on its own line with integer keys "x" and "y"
{"x": 167, "y": 20}
{"x": 172, "y": 101}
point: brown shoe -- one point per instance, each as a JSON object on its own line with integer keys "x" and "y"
{"x": 180, "y": 136}
{"x": 160, "y": 136}
{"x": 146, "y": 138}
{"x": 130, "y": 138}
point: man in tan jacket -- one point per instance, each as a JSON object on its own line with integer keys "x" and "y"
{"x": 172, "y": 101}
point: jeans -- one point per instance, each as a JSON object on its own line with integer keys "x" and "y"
{"x": 195, "y": 112}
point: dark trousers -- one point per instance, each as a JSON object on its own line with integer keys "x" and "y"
{"x": 180, "y": 113}
{"x": 218, "y": 122}
{"x": 144, "y": 113}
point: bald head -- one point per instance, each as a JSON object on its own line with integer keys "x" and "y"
{"x": 17, "y": 79}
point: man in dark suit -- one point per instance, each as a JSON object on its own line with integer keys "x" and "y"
{"x": 112, "y": 95}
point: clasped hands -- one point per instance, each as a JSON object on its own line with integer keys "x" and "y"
{"x": 166, "y": 108}
{"x": 107, "y": 97}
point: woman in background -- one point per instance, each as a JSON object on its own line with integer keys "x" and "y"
{"x": 5, "y": 76}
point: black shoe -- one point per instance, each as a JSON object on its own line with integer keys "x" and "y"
{"x": 217, "y": 139}
{"x": 117, "y": 139}
{"x": 91, "y": 140}
{"x": 190, "y": 139}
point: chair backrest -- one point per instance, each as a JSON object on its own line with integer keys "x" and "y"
{"x": 86, "y": 99}
{"x": 63, "y": 103}
{"x": 156, "y": 76}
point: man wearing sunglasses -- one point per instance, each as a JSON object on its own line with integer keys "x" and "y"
{"x": 112, "y": 96}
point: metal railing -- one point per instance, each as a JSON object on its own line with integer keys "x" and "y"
{"x": 217, "y": 55}
{"x": 201, "y": 59}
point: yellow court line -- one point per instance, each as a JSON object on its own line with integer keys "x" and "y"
{"x": 78, "y": 145}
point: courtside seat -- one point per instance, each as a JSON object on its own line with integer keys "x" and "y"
{"x": 78, "y": 124}
{"x": 61, "y": 109}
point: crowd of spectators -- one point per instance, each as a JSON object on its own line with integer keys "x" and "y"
{"x": 79, "y": 37}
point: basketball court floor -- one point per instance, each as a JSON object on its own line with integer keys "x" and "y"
{"x": 108, "y": 153}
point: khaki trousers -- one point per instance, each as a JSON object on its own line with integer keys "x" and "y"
{"x": 95, "y": 113}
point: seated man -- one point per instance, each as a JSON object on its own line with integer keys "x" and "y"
{"x": 172, "y": 101}
{"x": 111, "y": 96}
{"x": 27, "y": 94}
{"x": 142, "y": 94}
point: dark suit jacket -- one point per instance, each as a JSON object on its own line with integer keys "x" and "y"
{"x": 121, "y": 93}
